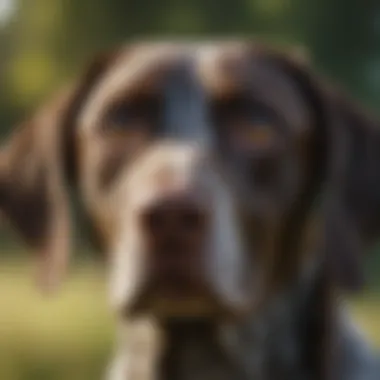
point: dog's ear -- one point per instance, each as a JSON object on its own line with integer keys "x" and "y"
{"x": 353, "y": 200}
{"x": 36, "y": 162}
{"x": 348, "y": 156}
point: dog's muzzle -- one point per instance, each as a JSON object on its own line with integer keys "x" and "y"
{"x": 178, "y": 243}
{"x": 175, "y": 229}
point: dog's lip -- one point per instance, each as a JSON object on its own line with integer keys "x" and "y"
{"x": 169, "y": 301}
{"x": 205, "y": 308}
{"x": 185, "y": 290}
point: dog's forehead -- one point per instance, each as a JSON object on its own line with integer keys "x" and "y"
{"x": 144, "y": 66}
{"x": 144, "y": 63}
{"x": 218, "y": 67}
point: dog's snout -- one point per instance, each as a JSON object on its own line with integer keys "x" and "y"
{"x": 175, "y": 230}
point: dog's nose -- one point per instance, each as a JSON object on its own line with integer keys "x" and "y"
{"x": 180, "y": 215}
{"x": 175, "y": 230}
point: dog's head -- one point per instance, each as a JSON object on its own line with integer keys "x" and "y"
{"x": 199, "y": 167}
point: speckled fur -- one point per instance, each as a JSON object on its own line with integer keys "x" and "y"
{"x": 265, "y": 346}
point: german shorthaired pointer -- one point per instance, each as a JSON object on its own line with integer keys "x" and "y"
{"x": 233, "y": 193}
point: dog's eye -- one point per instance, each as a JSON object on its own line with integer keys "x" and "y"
{"x": 250, "y": 133}
{"x": 121, "y": 116}
{"x": 132, "y": 116}
{"x": 246, "y": 126}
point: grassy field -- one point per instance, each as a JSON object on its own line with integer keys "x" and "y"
{"x": 69, "y": 337}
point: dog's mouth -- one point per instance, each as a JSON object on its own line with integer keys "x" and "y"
{"x": 177, "y": 281}
{"x": 170, "y": 304}
{"x": 178, "y": 289}
{"x": 174, "y": 290}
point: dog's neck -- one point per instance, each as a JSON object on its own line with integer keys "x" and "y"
{"x": 287, "y": 339}
{"x": 193, "y": 350}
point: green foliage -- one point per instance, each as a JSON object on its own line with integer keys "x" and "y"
{"x": 51, "y": 39}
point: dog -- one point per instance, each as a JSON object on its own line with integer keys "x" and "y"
{"x": 232, "y": 191}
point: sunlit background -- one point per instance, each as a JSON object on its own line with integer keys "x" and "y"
{"x": 43, "y": 43}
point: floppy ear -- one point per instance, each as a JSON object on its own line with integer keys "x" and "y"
{"x": 35, "y": 164}
{"x": 348, "y": 165}
{"x": 353, "y": 212}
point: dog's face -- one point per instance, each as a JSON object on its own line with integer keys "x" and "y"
{"x": 197, "y": 165}
{"x": 179, "y": 146}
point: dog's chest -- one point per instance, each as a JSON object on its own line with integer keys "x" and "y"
{"x": 196, "y": 354}
{"x": 270, "y": 348}
{"x": 263, "y": 350}
{"x": 266, "y": 347}
{"x": 198, "y": 362}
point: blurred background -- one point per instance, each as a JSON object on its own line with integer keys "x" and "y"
{"x": 43, "y": 43}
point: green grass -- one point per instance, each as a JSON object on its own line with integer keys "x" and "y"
{"x": 70, "y": 336}
{"x": 366, "y": 310}
{"x": 64, "y": 337}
